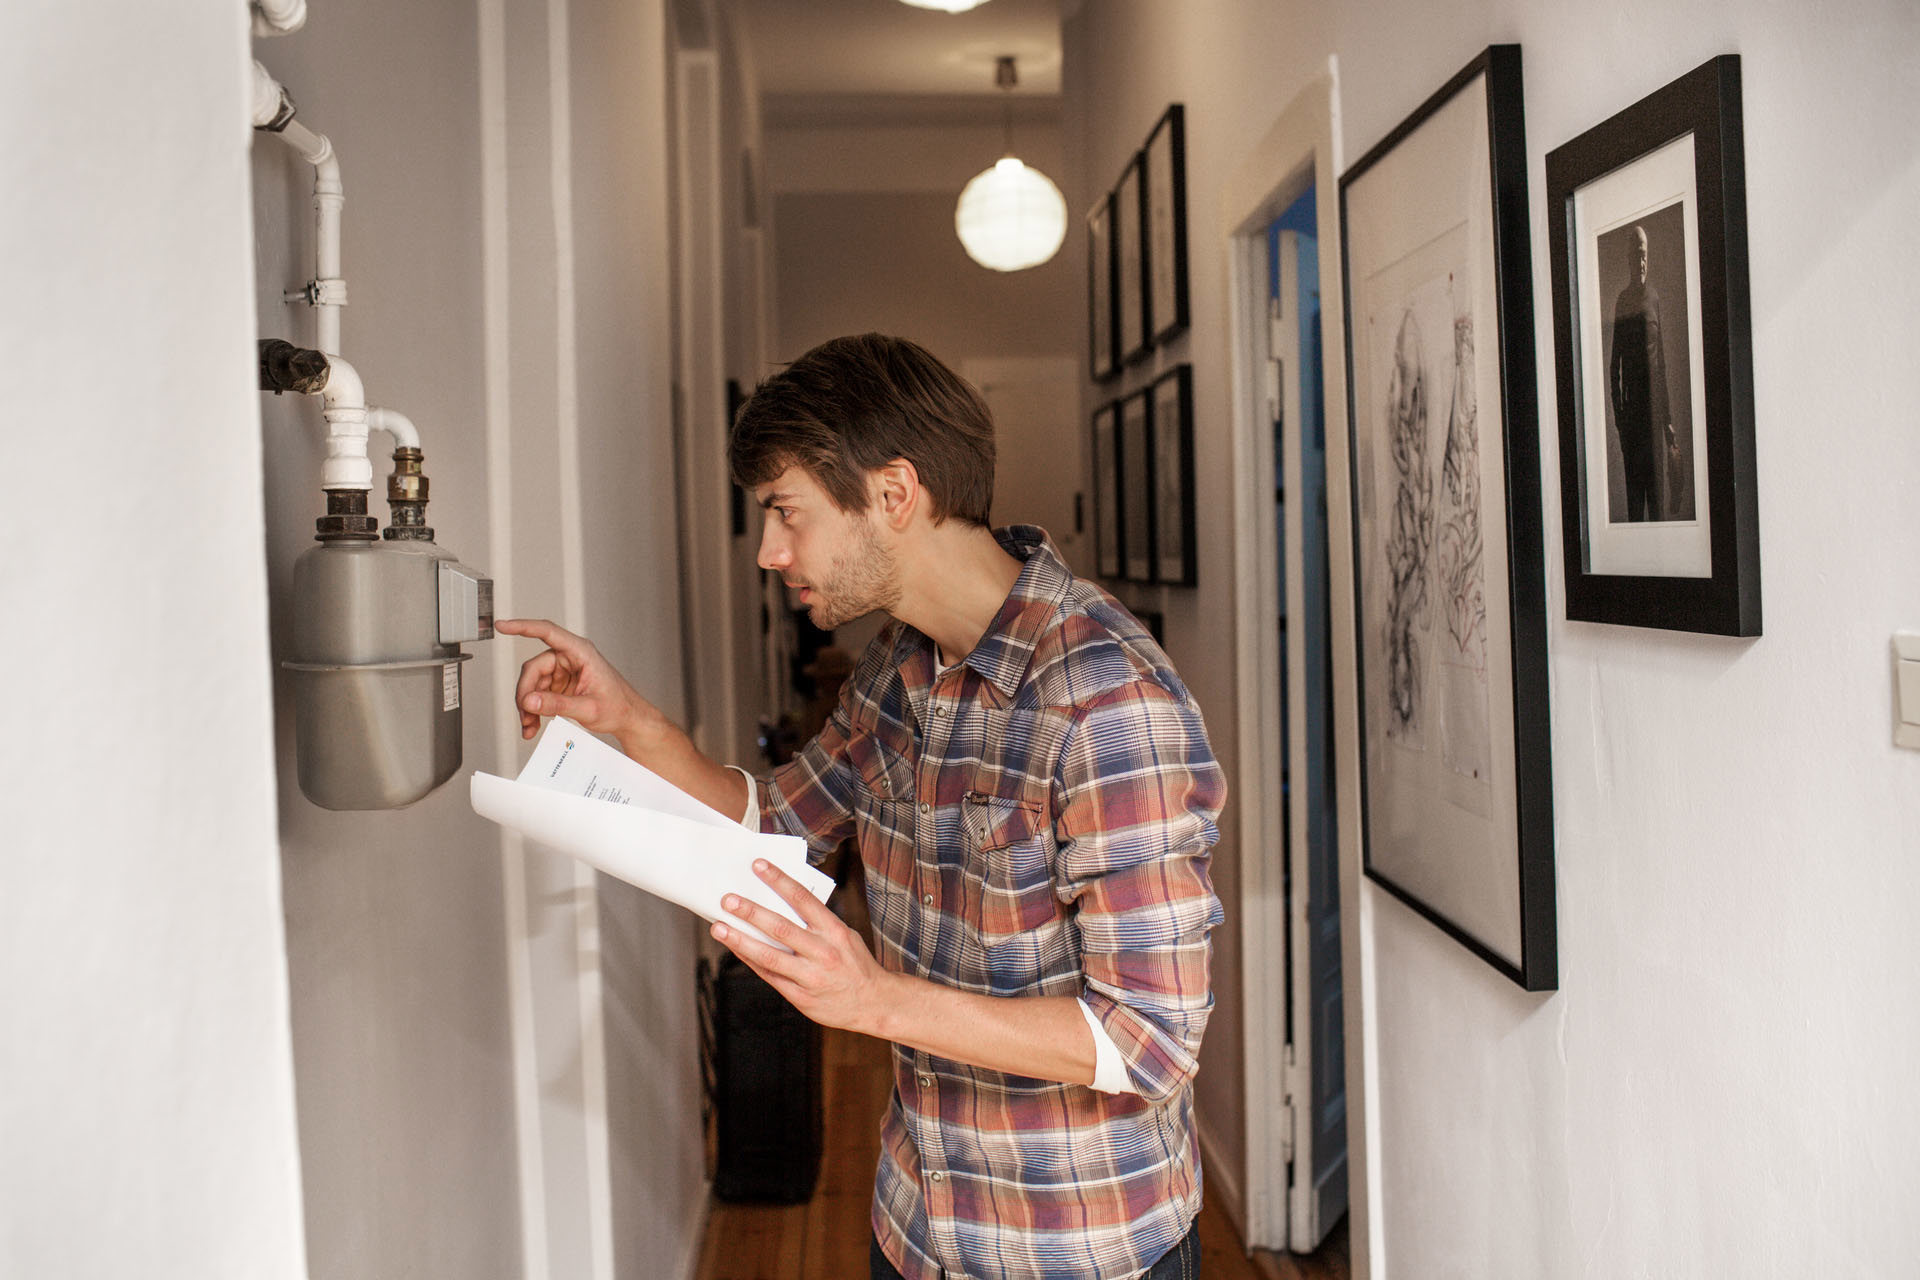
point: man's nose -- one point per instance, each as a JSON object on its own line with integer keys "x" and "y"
{"x": 773, "y": 553}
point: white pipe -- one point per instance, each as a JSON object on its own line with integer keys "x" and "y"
{"x": 278, "y": 17}
{"x": 343, "y": 403}
{"x": 395, "y": 424}
{"x": 270, "y": 98}
{"x": 328, "y": 291}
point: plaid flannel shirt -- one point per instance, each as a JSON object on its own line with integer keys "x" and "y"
{"x": 1035, "y": 821}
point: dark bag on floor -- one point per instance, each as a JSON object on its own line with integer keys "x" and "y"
{"x": 766, "y": 1087}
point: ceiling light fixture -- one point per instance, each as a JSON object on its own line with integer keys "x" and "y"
{"x": 1010, "y": 217}
{"x": 946, "y": 6}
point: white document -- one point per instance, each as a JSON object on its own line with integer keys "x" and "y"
{"x": 581, "y": 797}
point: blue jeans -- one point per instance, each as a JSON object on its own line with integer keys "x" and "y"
{"x": 1182, "y": 1262}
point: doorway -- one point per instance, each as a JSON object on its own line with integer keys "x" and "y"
{"x": 1306, "y": 1066}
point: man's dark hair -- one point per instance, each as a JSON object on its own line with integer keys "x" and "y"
{"x": 853, "y": 405}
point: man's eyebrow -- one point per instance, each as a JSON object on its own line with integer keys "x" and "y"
{"x": 772, "y": 498}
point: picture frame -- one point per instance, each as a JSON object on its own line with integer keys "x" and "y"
{"x": 1456, "y": 777}
{"x": 1107, "y": 524}
{"x": 1176, "y": 561}
{"x": 1132, "y": 322}
{"x": 1136, "y": 486}
{"x": 1652, "y": 336}
{"x": 1102, "y": 312}
{"x": 1166, "y": 223}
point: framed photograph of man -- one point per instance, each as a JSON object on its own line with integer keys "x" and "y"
{"x": 1104, "y": 359}
{"x": 1166, "y": 174}
{"x": 1171, "y": 424}
{"x": 1652, "y": 336}
{"x": 1136, "y": 486}
{"x": 1133, "y": 323}
{"x": 1456, "y": 774}
{"x": 1106, "y": 492}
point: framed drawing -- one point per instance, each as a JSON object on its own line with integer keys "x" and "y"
{"x": 1136, "y": 487}
{"x": 1456, "y": 772}
{"x": 1104, "y": 360}
{"x": 1132, "y": 323}
{"x": 1166, "y": 183}
{"x": 1171, "y": 423}
{"x": 1106, "y": 491}
{"x": 1653, "y": 338}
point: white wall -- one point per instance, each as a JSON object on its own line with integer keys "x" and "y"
{"x": 1721, "y": 1086}
{"x": 146, "y": 1090}
{"x": 495, "y": 1051}
{"x": 395, "y": 931}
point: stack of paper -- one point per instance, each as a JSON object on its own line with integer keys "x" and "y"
{"x": 579, "y": 796}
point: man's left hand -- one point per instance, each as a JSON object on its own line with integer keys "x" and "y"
{"x": 830, "y": 976}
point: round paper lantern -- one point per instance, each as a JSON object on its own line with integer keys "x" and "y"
{"x": 1011, "y": 217}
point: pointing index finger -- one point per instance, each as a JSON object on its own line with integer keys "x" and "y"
{"x": 548, "y": 633}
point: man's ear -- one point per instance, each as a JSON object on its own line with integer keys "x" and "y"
{"x": 897, "y": 493}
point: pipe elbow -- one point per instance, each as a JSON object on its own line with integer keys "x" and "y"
{"x": 344, "y": 391}
{"x": 278, "y": 17}
{"x": 272, "y": 105}
{"x": 395, "y": 424}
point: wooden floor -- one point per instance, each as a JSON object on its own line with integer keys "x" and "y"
{"x": 826, "y": 1238}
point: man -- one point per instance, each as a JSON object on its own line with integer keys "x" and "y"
{"x": 1637, "y": 382}
{"x": 1033, "y": 796}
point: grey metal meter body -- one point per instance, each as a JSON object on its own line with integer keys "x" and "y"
{"x": 374, "y": 663}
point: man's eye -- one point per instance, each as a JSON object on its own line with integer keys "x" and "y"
{"x": 786, "y": 514}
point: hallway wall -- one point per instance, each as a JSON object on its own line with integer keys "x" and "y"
{"x": 495, "y": 1050}
{"x": 1721, "y": 1086}
{"x": 146, "y": 1073}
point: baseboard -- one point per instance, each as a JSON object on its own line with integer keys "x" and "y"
{"x": 1222, "y": 1179}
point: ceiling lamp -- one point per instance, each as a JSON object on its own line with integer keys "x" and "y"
{"x": 1010, "y": 217}
{"x": 946, "y": 6}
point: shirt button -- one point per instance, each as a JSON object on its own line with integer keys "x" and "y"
{"x": 927, "y": 900}
{"x": 937, "y": 1176}
{"x": 926, "y": 1082}
{"x": 925, "y": 807}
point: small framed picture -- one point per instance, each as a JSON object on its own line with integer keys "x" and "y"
{"x": 1171, "y": 423}
{"x": 1104, "y": 359}
{"x": 1652, "y": 335}
{"x": 1166, "y": 183}
{"x": 1456, "y": 755}
{"x": 1136, "y": 486}
{"x": 1106, "y": 491}
{"x": 1132, "y": 323}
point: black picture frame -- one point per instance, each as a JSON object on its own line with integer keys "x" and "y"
{"x": 1176, "y": 560}
{"x": 1133, "y": 325}
{"x": 1107, "y": 521}
{"x": 1662, "y": 540}
{"x": 1136, "y": 486}
{"x": 1103, "y": 313}
{"x": 1456, "y": 773}
{"x": 1165, "y": 184}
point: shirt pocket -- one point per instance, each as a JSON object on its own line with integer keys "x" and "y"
{"x": 885, "y": 773}
{"x": 1010, "y": 846}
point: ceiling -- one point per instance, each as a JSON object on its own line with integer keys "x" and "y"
{"x": 864, "y": 51}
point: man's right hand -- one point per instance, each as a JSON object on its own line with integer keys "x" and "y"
{"x": 572, "y": 679}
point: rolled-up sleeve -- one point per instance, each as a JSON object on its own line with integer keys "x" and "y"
{"x": 1139, "y": 796}
{"x": 812, "y": 796}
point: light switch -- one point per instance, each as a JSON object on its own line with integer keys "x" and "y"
{"x": 1906, "y": 689}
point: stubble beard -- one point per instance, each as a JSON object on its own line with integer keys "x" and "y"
{"x": 863, "y": 577}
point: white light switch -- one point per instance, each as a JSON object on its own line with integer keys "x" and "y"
{"x": 1906, "y": 689}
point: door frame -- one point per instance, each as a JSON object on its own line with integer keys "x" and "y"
{"x": 1301, "y": 149}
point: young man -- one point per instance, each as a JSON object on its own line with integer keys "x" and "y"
{"x": 1034, "y": 798}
